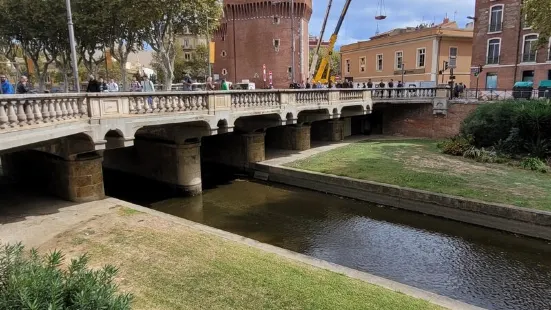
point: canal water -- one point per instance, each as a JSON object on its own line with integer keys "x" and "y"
{"x": 480, "y": 266}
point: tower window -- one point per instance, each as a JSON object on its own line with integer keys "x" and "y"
{"x": 276, "y": 45}
{"x": 277, "y": 20}
{"x": 223, "y": 54}
{"x": 224, "y": 72}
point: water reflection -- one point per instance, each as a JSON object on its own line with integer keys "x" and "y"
{"x": 477, "y": 265}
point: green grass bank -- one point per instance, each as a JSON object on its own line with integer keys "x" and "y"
{"x": 419, "y": 164}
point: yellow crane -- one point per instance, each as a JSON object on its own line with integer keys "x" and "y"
{"x": 323, "y": 73}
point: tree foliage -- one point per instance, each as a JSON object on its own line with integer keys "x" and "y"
{"x": 168, "y": 19}
{"x": 538, "y": 16}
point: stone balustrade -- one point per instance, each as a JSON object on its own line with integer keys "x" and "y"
{"x": 17, "y": 111}
{"x": 21, "y": 111}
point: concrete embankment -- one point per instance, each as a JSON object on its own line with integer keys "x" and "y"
{"x": 532, "y": 223}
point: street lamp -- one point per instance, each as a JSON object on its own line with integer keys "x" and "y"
{"x": 73, "y": 45}
{"x": 209, "y": 70}
{"x": 293, "y": 40}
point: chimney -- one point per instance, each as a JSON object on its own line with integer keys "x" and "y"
{"x": 446, "y": 20}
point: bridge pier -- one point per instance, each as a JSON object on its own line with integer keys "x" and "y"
{"x": 294, "y": 137}
{"x": 332, "y": 130}
{"x": 237, "y": 150}
{"x": 78, "y": 179}
{"x": 175, "y": 164}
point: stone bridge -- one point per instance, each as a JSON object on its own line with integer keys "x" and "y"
{"x": 62, "y": 141}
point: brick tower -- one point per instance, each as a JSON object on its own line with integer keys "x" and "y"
{"x": 254, "y": 33}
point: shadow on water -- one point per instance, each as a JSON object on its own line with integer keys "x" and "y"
{"x": 480, "y": 266}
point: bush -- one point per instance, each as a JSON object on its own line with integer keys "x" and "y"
{"x": 534, "y": 164}
{"x": 455, "y": 146}
{"x": 38, "y": 282}
{"x": 483, "y": 155}
{"x": 515, "y": 127}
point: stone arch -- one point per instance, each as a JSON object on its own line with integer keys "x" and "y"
{"x": 309, "y": 116}
{"x": 114, "y": 139}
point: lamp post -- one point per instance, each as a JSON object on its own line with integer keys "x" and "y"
{"x": 209, "y": 70}
{"x": 73, "y": 45}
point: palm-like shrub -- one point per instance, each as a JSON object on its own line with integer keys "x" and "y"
{"x": 33, "y": 282}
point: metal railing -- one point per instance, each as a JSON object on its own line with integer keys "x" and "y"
{"x": 403, "y": 93}
{"x": 493, "y": 94}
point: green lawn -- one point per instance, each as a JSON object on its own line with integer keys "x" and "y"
{"x": 169, "y": 266}
{"x": 419, "y": 164}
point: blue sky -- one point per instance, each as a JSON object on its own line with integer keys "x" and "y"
{"x": 360, "y": 23}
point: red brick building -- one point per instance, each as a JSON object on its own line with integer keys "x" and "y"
{"x": 503, "y": 44}
{"x": 254, "y": 33}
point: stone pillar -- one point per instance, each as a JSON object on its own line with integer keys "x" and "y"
{"x": 253, "y": 148}
{"x": 77, "y": 180}
{"x": 176, "y": 164}
{"x": 294, "y": 137}
{"x": 332, "y": 130}
{"x": 188, "y": 165}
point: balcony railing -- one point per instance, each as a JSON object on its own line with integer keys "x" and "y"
{"x": 495, "y": 27}
{"x": 492, "y": 60}
{"x": 529, "y": 57}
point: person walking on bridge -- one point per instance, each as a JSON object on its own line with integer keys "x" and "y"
{"x": 7, "y": 88}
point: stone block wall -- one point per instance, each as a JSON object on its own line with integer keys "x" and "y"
{"x": 418, "y": 120}
{"x": 235, "y": 150}
{"x": 289, "y": 137}
{"x": 79, "y": 180}
{"x": 332, "y": 130}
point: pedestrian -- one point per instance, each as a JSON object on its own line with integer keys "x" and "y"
{"x": 400, "y": 88}
{"x": 224, "y": 85}
{"x": 7, "y": 88}
{"x": 135, "y": 85}
{"x": 210, "y": 85}
{"x": 93, "y": 85}
{"x": 369, "y": 84}
{"x": 113, "y": 86}
{"x": 308, "y": 85}
{"x": 23, "y": 87}
{"x": 382, "y": 92}
{"x": 102, "y": 85}
{"x": 148, "y": 87}
{"x": 187, "y": 82}
{"x": 390, "y": 86}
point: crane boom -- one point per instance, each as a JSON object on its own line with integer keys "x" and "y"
{"x": 325, "y": 61}
{"x": 320, "y": 39}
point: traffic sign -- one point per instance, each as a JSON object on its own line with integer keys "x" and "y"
{"x": 475, "y": 70}
{"x": 271, "y": 79}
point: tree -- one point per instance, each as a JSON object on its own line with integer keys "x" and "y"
{"x": 538, "y": 14}
{"x": 197, "y": 66}
{"x": 90, "y": 19}
{"x": 31, "y": 24}
{"x": 335, "y": 60}
{"x": 170, "y": 18}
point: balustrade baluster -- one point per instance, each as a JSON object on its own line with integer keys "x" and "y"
{"x": 64, "y": 113}
{"x": 187, "y": 104}
{"x": 139, "y": 105}
{"x": 74, "y": 106}
{"x": 3, "y": 116}
{"x": 29, "y": 112}
{"x": 69, "y": 104}
{"x": 159, "y": 105}
{"x": 132, "y": 104}
{"x": 45, "y": 110}
{"x": 58, "y": 112}
{"x": 21, "y": 117}
{"x": 180, "y": 103}
{"x": 37, "y": 113}
{"x": 12, "y": 116}
{"x": 204, "y": 102}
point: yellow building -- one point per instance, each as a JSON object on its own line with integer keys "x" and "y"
{"x": 419, "y": 53}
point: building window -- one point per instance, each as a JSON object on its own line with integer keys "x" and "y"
{"x": 494, "y": 46}
{"x": 525, "y": 24}
{"x": 362, "y": 64}
{"x": 421, "y": 56}
{"x": 528, "y": 76}
{"x": 277, "y": 20}
{"x": 223, "y": 38}
{"x": 379, "y": 64}
{"x": 529, "y": 48}
{"x": 276, "y": 44}
{"x": 186, "y": 43}
{"x": 187, "y": 56}
{"x": 491, "y": 80}
{"x": 496, "y": 18}
{"x": 549, "y": 74}
{"x": 398, "y": 60}
{"x": 224, "y": 72}
{"x": 347, "y": 66}
{"x": 223, "y": 54}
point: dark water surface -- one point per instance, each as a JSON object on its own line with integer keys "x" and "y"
{"x": 479, "y": 266}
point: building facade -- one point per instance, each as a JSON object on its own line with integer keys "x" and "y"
{"x": 313, "y": 43}
{"x": 506, "y": 47}
{"x": 189, "y": 43}
{"x": 419, "y": 53}
{"x": 257, "y": 33}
